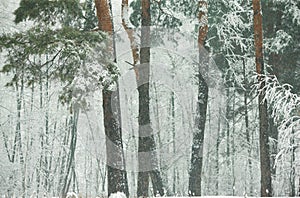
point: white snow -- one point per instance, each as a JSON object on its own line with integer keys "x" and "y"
{"x": 117, "y": 195}
{"x": 71, "y": 195}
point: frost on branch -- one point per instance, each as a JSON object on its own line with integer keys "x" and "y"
{"x": 284, "y": 106}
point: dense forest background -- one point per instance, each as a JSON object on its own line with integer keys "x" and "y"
{"x": 149, "y": 97}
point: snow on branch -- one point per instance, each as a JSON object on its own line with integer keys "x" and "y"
{"x": 284, "y": 106}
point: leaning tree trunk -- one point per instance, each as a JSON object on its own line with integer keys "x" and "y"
{"x": 147, "y": 158}
{"x": 195, "y": 176}
{"x": 266, "y": 185}
{"x": 116, "y": 172}
{"x": 71, "y": 156}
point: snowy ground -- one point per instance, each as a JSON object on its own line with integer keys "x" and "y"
{"x": 121, "y": 195}
{"x": 220, "y": 196}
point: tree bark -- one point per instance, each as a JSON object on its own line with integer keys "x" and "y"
{"x": 233, "y": 144}
{"x": 249, "y": 144}
{"x": 195, "y": 175}
{"x": 266, "y": 185}
{"x": 146, "y": 144}
{"x": 116, "y": 172}
{"x": 227, "y": 116}
{"x": 18, "y": 130}
{"x": 71, "y": 156}
{"x": 217, "y": 151}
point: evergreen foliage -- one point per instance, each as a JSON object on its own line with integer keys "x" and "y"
{"x": 46, "y": 51}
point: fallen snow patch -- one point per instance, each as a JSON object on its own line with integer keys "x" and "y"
{"x": 71, "y": 195}
{"x": 117, "y": 195}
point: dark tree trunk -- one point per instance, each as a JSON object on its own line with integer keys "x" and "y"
{"x": 198, "y": 138}
{"x": 18, "y": 130}
{"x": 116, "y": 170}
{"x": 173, "y": 136}
{"x": 273, "y": 133}
{"x": 249, "y": 143}
{"x": 71, "y": 156}
{"x": 195, "y": 176}
{"x": 299, "y": 187}
{"x": 147, "y": 159}
{"x": 227, "y": 116}
{"x": 266, "y": 185}
{"x": 217, "y": 151}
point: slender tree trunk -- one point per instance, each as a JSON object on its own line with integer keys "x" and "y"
{"x": 116, "y": 172}
{"x": 46, "y": 156}
{"x": 147, "y": 158}
{"x": 233, "y": 145}
{"x": 40, "y": 166}
{"x": 249, "y": 144}
{"x": 217, "y": 151}
{"x": 18, "y": 131}
{"x": 51, "y": 176}
{"x": 5, "y": 139}
{"x": 195, "y": 175}
{"x": 173, "y": 138}
{"x": 71, "y": 158}
{"x": 62, "y": 156}
{"x": 228, "y": 109}
{"x": 266, "y": 180}
{"x": 173, "y": 127}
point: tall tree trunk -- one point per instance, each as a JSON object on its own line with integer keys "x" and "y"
{"x": 217, "y": 151}
{"x": 18, "y": 131}
{"x": 116, "y": 172}
{"x": 266, "y": 184}
{"x": 275, "y": 60}
{"x": 41, "y": 136}
{"x": 233, "y": 145}
{"x": 228, "y": 109}
{"x": 148, "y": 166}
{"x": 47, "y": 147}
{"x": 249, "y": 144}
{"x": 62, "y": 156}
{"x": 195, "y": 176}
{"x": 71, "y": 156}
{"x": 173, "y": 127}
{"x": 173, "y": 138}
